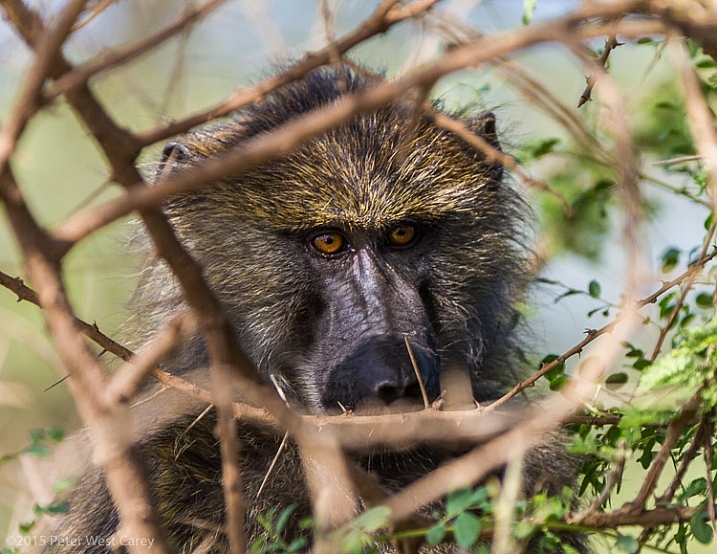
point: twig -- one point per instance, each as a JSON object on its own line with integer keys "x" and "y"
{"x": 126, "y": 381}
{"x": 610, "y": 44}
{"x": 114, "y": 450}
{"x": 28, "y": 97}
{"x": 674, "y": 431}
{"x": 378, "y": 22}
{"x": 677, "y": 160}
{"x": 624, "y": 517}
{"x": 699, "y": 115}
{"x": 289, "y": 136}
{"x": 356, "y": 430}
{"x": 79, "y": 76}
{"x": 666, "y": 497}
{"x": 280, "y": 450}
{"x": 612, "y": 480}
{"x": 494, "y": 155}
{"x": 417, "y": 371}
{"x": 225, "y": 430}
{"x": 689, "y": 282}
{"x": 592, "y": 334}
{"x": 470, "y": 468}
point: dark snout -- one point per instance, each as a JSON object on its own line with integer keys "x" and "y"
{"x": 380, "y": 371}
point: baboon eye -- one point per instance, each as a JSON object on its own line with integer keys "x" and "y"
{"x": 329, "y": 243}
{"x": 402, "y": 235}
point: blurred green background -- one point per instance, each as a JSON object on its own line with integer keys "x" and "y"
{"x": 61, "y": 171}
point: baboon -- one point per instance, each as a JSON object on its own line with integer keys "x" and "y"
{"x": 326, "y": 260}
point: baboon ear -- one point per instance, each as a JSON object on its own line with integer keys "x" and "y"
{"x": 483, "y": 125}
{"x": 174, "y": 156}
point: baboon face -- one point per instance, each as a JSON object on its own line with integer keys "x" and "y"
{"x": 379, "y": 251}
{"x": 368, "y": 313}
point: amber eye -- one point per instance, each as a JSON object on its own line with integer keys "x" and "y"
{"x": 329, "y": 243}
{"x": 402, "y": 235}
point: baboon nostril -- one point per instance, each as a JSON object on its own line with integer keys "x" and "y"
{"x": 389, "y": 392}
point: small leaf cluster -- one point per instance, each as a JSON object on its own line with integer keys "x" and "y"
{"x": 593, "y": 290}
{"x": 460, "y": 517}
{"x": 273, "y": 538}
{"x": 41, "y": 444}
{"x": 359, "y": 535}
{"x": 688, "y": 369}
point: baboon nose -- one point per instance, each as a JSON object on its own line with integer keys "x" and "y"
{"x": 389, "y": 391}
{"x": 400, "y": 379}
{"x": 381, "y": 370}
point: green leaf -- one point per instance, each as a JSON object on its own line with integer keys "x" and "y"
{"x": 704, "y": 300}
{"x": 541, "y": 149}
{"x": 616, "y": 380}
{"x": 25, "y": 528}
{"x": 559, "y": 382}
{"x": 696, "y": 487}
{"x": 523, "y": 529}
{"x": 635, "y": 353}
{"x": 298, "y": 545}
{"x": 569, "y": 292}
{"x": 641, "y": 364}
{"x": 62, "y": 485}
{"x": 594, "y": 289}
{"x": 466, "y": 530}
{"x": 36, "y": 435}
{"x": 670, "y": 258}
{"x": 604, "y": 311}
{"x": 529, "y": 10}
{"x": 647, "y": 454}
{"x": 700, "y": 528}
{"x": 373, "y": 519}
{"x": 37, "y": 449}
{"x": 55, "y": 435}
{"x": 459, "y": 501}
{"x": 54, "y": 508}
{"x": 258, "y": 545}
{"x": 627, "y": 543}
{"x": 352, "y": 542}
{"x": 283, "y": 518}
{"x": 435, "y": 534}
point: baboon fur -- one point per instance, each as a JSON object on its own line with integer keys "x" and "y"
{"x": 329, "y": 325}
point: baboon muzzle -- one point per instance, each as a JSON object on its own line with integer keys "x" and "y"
{"x": 380, "y": 371}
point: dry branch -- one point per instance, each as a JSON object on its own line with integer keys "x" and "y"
{"x": 291, "y": 135}
{"x": 384, "y": 16}
{"x": 79, "y": 76}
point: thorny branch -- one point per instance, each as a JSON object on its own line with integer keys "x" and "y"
{"x": 592, "y": 334}
{"x": 291, "y": 135}
{"x": 610, "y": 44}
{"x": 79, "y": 76}
{"x": 51, "y": 76}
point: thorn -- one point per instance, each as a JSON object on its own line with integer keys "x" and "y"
{"x": 53, "y": 385}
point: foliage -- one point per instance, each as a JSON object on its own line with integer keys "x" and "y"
{"x": 273, "y": 540}
{"x": 41, "y": 443}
